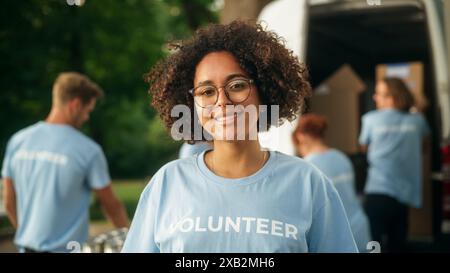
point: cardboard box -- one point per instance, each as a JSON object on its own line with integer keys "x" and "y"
{"x": 411, "y": 73}
{"x": 420, "y": 220}
{"x": 337, "y": 98}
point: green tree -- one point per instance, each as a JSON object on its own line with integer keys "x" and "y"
{"x": 114, "y": 43}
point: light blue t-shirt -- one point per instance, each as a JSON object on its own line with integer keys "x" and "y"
{"x": 54, "y": 168}
{"x": 394, "y": 154}
{"x": 286, "y": 206}
{"x": 187, "y": 149}
{"x": 336, "y": 166}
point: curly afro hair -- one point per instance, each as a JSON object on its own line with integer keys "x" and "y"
{"x": 278, "y": 75}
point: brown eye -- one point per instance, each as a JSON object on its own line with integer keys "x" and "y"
{"x": 236, "y": 86}
{"x": 209, "y": 92}
{"x": 205, "y": 91}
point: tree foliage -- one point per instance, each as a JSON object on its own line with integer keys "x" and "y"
{"x": 114, "y": 43}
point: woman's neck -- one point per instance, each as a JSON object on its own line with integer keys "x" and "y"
{"x": 316, "y": 147}
{"x": 235, "y": 159}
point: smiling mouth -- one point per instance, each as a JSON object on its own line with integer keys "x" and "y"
{"x": 226, "y": 119}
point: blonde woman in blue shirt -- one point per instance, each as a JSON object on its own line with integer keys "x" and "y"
{"x": 393, "y": 137}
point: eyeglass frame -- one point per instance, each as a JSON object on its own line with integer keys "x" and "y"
{"x": 249, "y": 81}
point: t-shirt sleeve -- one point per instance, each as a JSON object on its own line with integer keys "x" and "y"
{"x": 141, "y": 236}
{"x": 6, "y": 166}
{"x": 330, "y": 230}
{"x": 424, "y": 128}
{"x": 364, "y": 137}
{"x": 98, "y": 173}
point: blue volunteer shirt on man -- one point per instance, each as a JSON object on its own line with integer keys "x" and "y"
{"x": 336, "y": 166}
{"x": 395, "y": 140}
{"x": 286, "y": 206}
{"x": 53, "y": 167}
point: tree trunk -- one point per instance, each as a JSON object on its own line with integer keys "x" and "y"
{"x": 241, "y": 9}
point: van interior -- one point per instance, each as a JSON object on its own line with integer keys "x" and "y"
{"x": 365, "y": 36}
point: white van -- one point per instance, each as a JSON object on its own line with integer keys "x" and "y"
{"x": 363, "y": 33}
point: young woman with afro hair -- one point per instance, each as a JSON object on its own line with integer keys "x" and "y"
{"x": 236, "y": 196}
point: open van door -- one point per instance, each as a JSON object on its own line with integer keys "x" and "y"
{"x": 444, "y": 175}
{"x": 287, "y": 18}
{"x": 440, "y": 58}
{"x": 447, "y": 27}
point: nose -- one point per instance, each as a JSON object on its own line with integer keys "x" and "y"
{"x": 222, "y": 99}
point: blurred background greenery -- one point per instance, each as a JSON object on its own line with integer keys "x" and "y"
{"x": 114, "y": 43}
{"x": 128, "y": 191}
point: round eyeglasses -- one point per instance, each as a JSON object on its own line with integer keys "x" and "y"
{"x": 237, "y": 91}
